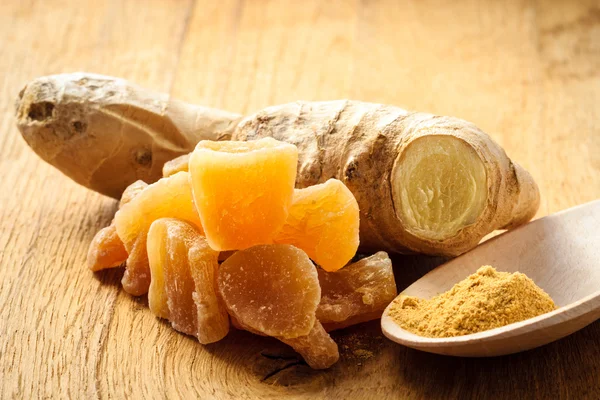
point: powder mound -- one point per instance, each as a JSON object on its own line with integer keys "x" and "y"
{"x": 486, "y": 300}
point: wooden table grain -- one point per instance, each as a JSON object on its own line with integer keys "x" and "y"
{"x": 525, "y": 71}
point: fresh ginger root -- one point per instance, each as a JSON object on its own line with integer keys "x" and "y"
{"x": 105, "y": 133}
{"x": 423, "y": 183}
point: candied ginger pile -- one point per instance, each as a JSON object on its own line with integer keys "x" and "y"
{"x": 229, "y": 241}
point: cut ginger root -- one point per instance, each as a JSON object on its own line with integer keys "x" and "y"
{"x": 424, "y": 183}
{"x": 168, "y": 198}
{"x": 107, "y": 250}
{"x": 183, "y": 288}
{"x": 274, "y": 290}
{"x": 324, "y": 222}
{"x": 357, "y": 293}
{"x": 243, "y": 190}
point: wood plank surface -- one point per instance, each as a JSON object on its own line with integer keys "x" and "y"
{"x": 525, "y": 71}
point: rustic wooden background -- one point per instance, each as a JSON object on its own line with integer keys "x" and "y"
{"x": 527, "y": 72}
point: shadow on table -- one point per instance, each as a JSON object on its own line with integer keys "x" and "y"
{"x": 409, "y": 268}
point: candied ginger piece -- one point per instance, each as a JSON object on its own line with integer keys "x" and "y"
{"x": 106, "y": 249}
{"x": 167, "y": 198}
{"x": 243, "y": 190}
{"x": 159, "y": 254}
{"x": 132, "y": 191}
{"x": 183, "y": 286}
{"x": 317, "y": 348}
{"x": 323, "y": 221}
{"x": 238, "y": 325}
{"x": 176, "y": 165}
{"x": 213, "y": 319}
{"x": 359, "y": 292}
{"x": 172, "y": 285}
{"x": 274, "y": 290}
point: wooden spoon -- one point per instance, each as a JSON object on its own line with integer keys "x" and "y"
{"x": 561, "y": 253}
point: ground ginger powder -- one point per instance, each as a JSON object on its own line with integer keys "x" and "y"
{"x": 485, "y": 300}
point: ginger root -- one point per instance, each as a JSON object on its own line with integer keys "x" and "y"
{"x": 106, "y": 133}
{"x": 423, "y": 183}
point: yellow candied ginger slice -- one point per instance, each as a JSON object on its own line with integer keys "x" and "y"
{"x": 243, "y": 190}
{"x": 183, "y": 287}
{"x": 167, "y": 198}
{"x": 324, "y": 222}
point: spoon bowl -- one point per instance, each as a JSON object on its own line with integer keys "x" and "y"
{"x": 560, "y": 253}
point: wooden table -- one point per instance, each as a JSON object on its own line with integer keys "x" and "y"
{"x": 527, "y": 72}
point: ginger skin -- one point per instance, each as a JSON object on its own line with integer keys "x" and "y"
{"x": 423, "y": 183}
{"x": 91, "y": 126}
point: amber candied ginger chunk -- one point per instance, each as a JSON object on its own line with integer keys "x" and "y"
{"x": 168, "y": 198}
{"x": 357, "y": 293}
{"x": 183, "y": 287}
{"x": 242, "y": 190}
{"x": 107, "y": 249}
{"x": 317, "y": 348}
{"x": 274, "y": 290}
{"x": 323, "y": 221}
